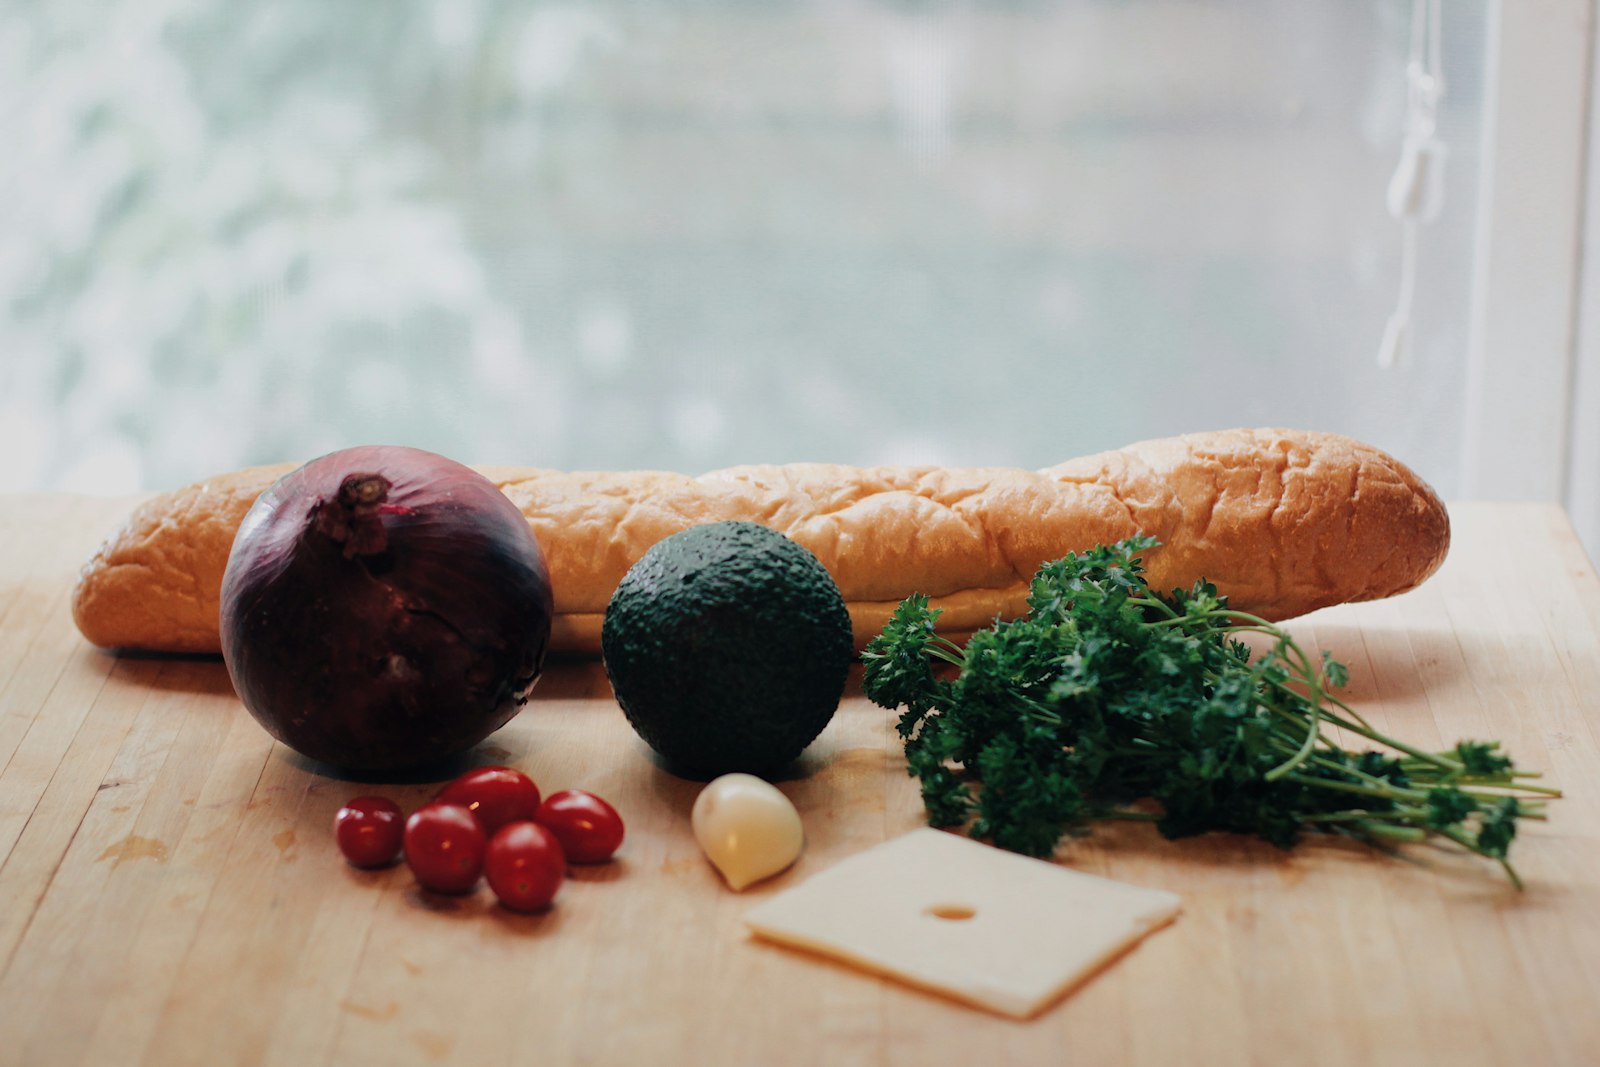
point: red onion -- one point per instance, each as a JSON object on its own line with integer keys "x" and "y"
{"x": 384, "y": 608}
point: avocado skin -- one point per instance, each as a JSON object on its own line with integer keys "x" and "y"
{"x": 727, "y": 646}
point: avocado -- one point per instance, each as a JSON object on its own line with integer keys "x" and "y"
{"x": 727, "y": 646}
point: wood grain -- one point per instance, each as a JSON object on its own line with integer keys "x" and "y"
{"x": 170, "y": 892}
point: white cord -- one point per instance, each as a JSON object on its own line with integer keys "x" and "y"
{"x": 1416, "y": 190}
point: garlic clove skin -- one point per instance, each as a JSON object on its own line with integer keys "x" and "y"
{"x": 747, "y": 829}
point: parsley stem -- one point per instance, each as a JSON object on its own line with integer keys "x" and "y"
{"x": 1397, "y": 833}
{"x": 1038, "y": 711}
{"x": 1350, "y": 719}
{"x": 1521, "y": 787}
{"x": 1126, "y": 815}
{"x": 1313, "y": 735}
{"x": 1363, "y": 815}
{"x": 1399, "y": 746}
{"x": 1379, "y": 783}
{"x": 1511, "y": 872}
{"x": 1485, "y": 781}
{"x": 1159, "y": 604}
{"x": 1468, "y": 843}
{"x": 1387, "y": 793}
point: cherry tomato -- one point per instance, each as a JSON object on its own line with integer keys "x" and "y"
{"x": 444, "y": 845}
{"x": 368, "y": 830}
{"x": 524, "y": 865}
{"x": 589, "y": 829}
{"x": 496, "y": 795}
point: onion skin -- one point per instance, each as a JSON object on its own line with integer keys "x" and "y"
{"x": 384, "y": 608}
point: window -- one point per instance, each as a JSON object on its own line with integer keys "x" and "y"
{"x": 594, "y": 234}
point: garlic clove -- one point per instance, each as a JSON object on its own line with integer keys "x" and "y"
{"x": 747, "y": 829}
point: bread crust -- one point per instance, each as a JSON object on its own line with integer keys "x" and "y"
{"x": 1282, "y": 521}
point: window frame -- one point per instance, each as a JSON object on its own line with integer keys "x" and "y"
{"x": 1530, "y": 429}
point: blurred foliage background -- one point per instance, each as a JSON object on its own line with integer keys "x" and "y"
{"x": 606, "y": 234}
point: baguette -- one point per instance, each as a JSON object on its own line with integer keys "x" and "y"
{"x": 1282, "y": 521}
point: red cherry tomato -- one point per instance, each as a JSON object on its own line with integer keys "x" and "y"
{"x": 524, "y": 866}
{"x": 444, "y": 845}
{"x": 589, "y": 829}
{"x": 496, "y": 795}
{"x": 368, "y": 830}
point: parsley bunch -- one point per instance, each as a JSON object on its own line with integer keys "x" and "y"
{"x": 1108, "y": 693}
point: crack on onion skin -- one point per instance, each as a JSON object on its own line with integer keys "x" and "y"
{"x": 520, "y": 687}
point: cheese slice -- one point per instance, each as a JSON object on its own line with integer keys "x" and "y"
{"x": 945, "y": 913}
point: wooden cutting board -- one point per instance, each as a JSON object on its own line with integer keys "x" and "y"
{"x": 170, "y": 892}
